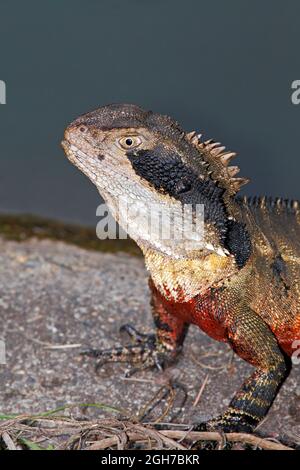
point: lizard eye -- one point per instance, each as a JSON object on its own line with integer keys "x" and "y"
{"x": 129, "y": 142}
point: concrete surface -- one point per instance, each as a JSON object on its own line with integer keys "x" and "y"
{"x": 53, "y": 294}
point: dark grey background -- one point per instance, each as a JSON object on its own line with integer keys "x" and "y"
{"x": 221, "y": 67}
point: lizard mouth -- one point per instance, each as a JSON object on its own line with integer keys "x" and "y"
{"x": 65, "y": 144}
{"x": 67, "y": 148}
{"x": 80, "y": 159}
{"x": 70, "y": 150}
{"x": 73, "y": 153}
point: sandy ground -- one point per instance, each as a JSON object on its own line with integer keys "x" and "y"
{"x": 53, "y": 294}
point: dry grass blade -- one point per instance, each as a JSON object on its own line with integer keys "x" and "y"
{"x": 161, "y": 437}
{"x": 207, "y": 366}
{"x": 108, "y": 433}
{"x": 167, "y": 393}
{"x": 8, "y": 441}
{"x": 197, "y": 399}
{"x": 140, "y": 434}
{"x": 263, "y": 443}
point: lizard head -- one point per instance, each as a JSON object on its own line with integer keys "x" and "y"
{"x": 146, "y": 157}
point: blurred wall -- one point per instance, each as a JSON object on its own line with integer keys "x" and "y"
{"x": 223, "y": 68}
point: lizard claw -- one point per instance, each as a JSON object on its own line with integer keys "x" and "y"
{"x": 145, "y": 352}
{"x": 134, "y": 334}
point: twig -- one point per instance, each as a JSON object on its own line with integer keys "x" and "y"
{"x": 63, "y": 346}
{"x": 171, "y": 438}
{"x": 197, "y": 399}
{"x": 134, "y": 379}
{"x": 230, "y": 437}
{"x": 112, "y": 432}
{"x": 8, "y": 441}
{"x": 140, "y": 434}
{"x": 206, "y": 366}
{"x": 193, "y": 436}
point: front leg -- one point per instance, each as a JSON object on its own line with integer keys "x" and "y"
{"x": 252, "y": 340}
{"x": 148, "y": 350}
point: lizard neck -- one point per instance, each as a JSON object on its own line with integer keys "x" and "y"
{"x": 182, "y": 279}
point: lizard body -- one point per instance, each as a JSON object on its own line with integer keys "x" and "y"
{"x": 240, "y": 285}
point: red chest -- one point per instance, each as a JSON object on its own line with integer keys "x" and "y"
{"x": 289, "y": 338}
{"x": 205, "y": 311}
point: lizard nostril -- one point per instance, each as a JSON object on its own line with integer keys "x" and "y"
{"x": 83, "y": 128}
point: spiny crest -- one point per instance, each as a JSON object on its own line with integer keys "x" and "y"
{"x": 277, "y": 203}
{"x": 217, "y": 160}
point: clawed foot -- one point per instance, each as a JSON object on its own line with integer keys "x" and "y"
{"x": 230, "y": 421}
{"x": 144, "y": 352}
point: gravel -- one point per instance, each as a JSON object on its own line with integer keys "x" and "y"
{"x": 54, "y": 295}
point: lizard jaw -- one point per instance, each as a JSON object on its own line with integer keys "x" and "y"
{"x": 72, "y": 152}
{"x": 82, "y": 160}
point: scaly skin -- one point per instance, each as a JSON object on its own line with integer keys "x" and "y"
{"x": 241, "y": 285}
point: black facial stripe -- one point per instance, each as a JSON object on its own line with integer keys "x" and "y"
{"x": 168, "y": 174}
{"x": 164, "y": 171}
